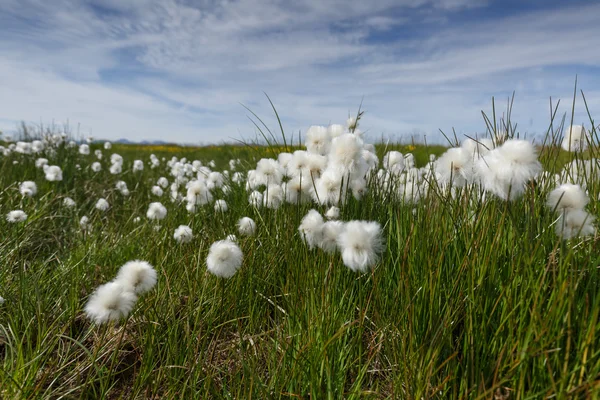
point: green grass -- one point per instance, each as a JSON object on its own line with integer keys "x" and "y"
{"x": 469, "y": 298}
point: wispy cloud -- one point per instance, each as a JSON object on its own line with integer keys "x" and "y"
{"x": 180, "y": 69}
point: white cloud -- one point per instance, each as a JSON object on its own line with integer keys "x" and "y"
{"x": 163, "y": 69}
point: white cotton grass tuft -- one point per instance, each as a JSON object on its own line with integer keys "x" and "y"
{"x": 84, "y": 149}
{"x": 162, "y": 182}
{"x": 333, "y": 213}
{"x": 331, "y": 233}
{"x": 84, "y": 223}
{"x": 255, "y": 199}
{"x": 183, "y": 234}
{"x": 69, "y": 202}
{"x": 221, "y": 206}
{"x": 16, "y": 216}
{"x": 110, "y": 302}
{"x": 311, "y": 229}
{"x": 96, "y": 166}
{"x": 455, "y": 167}
{"x": 273, "y": 196}
{"x": 107, "y": 145}
{"x": 318, "y": 140}
{"x": 224, "y": 258}
{"x": 156, "y": 211}
{"x": 246, "y": 226}
{"x": 505, "y": 170}
{"x": 41, "y": 162}
{"x": 361, "y": 244}
{"x": 138, "y": 275}
{"x": 138, "y": 165}
{"x": 575, "y": 223}
{"x": 157, "y": 191}
{"x": 116, "y": 169}
{"x": 102, "y": 204}
{"x": 53, "y": 173}
{"x": 567, "y": 197}
{"x": 28, "y": 188}
{"x": 576, "y": 138}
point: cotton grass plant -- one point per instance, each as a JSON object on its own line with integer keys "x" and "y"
{"x": 356, "y": 271}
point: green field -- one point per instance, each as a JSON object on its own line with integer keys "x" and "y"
{"x": 471, "y": 297}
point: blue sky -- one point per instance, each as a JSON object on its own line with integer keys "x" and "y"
{"x": 180, "y": 70}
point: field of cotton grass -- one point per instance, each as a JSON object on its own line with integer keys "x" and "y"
{"x": 329, "y": 268}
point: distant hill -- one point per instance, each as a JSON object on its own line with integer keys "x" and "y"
{"x": 126, "y": 141}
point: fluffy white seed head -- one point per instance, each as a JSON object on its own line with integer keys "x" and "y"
{"x": 221, "y": 206}
{"x": 156, "y": 211}
{"x": 84, "y": 223}
{"x": 393, "y": 161}
{"x": 84, "y": 149}
{"x": 53, "y": 173}
{"x": 455, "y": 167}
{"x": 102, "y": 204}
{"x": 110, "y": 302}
{"x": 96, "y": 166}
{"x": 157, "y": 190}
{"x": 69, "y": 202}
{"x": 116, "y": 169}
{"x": 318, "y": 140}
{"x": 163, "y": 182}
{"x": 567, "y": 197}
{"x": 576, "y": 138}
{"x": 140, "y": 276}
{"x": 224, "y": 258}
{"x": 333, "y": 213}
{"x": 183, "y": 234}
{"x": 575, "y": 223}
{"x": 311, "y": 228}
{"x": 361, "y": 244}
{"x": 246, "y": 226}
{"x": 41, "y": 162}
{"x": 331, "y": 233}
{"x": 28, "y": 188}
{"x": 16, "y": 216}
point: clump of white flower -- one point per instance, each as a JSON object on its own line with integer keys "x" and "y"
{"x": 138, "y": 165}
{"x": 183, "y": 234}
{"x": 246, "y": 226}
{"x": 221, "y": 206}
{"x": 84, "y": 223}
{"x": 361, "y": 244}
{"x": 156, "y": 211}
{"x": 224, "y": 258}
{"x": 110, "y": 302}
{"x": 576, "y": 138}
{"x": 311, "y": 228}
{"x": 567, "y": 197}
{"x": 102, "y": 204}
{"x": 84, "y": 149}
{"x": 69, "y": 202}
{"x": 41, "y": 162}
{"x": 28, "y": 188}
{"x": 137, "y": 275}
{"x": 157, "y": 191}
{"x": 53, "y": 173}
{"x": 575, "y": 223}
{"x": 16, "y": 216}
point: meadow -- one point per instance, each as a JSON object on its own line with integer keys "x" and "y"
{"x": 464, "y": 271}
